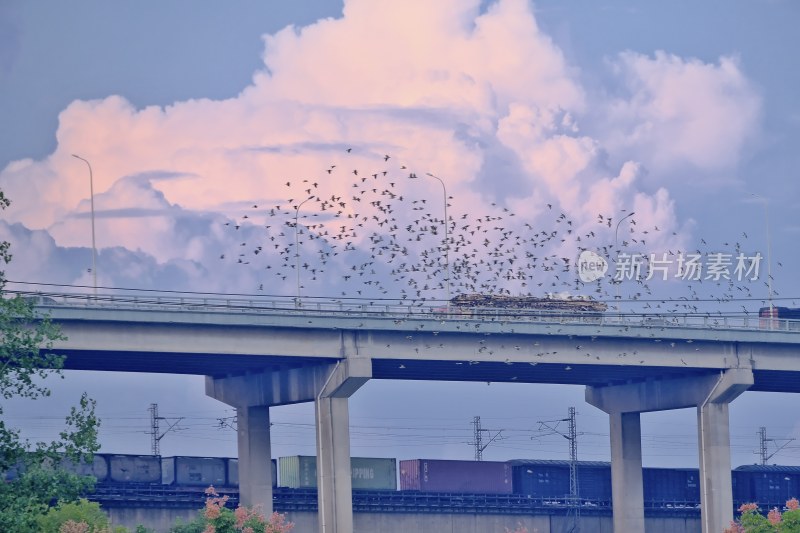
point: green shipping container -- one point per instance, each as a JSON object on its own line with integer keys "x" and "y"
{"x": 367, "y": 473}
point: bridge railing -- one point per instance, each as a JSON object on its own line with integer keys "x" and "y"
{"x": 418, "y": 309}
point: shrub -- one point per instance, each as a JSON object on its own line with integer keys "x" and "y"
{"x": 216, "y": 518}
{"x": 751, "y": 521}
{"x": 80, "y": 512}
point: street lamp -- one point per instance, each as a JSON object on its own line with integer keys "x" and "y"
{"x": 297, "y": 247}
{"x": 616, "y": 247}
{"x": 446, "y": 235}
{"x": 769, "y": 253}
{"x": 94, "y": 247}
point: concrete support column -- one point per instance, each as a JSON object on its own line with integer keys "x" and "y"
{"x": 255, "y": 465}
{"x": 711, "y": 394}
{"x": 334, "y": 483}
{"x": 715, "y": 466}
{"x": 626, "y": 472}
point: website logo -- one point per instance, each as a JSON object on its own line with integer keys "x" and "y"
{"x": 591, "y": 266}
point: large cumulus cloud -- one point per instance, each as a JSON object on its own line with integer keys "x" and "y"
{"x": 482, "y": 98}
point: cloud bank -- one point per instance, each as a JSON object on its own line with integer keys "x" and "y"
{"x": 306, "y": 170}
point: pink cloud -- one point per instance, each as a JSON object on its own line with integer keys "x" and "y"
{"x": 483, "y": 99}
{"x": 678, "y": 111}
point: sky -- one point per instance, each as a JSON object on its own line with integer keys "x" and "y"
{"x": 266, "y": 150}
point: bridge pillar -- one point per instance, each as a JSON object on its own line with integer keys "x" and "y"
{"x": 334, "y": 483}
{"x": 715, "y": 467}
{"x": 711, "y": 394}
{"x": 626, "y": 472}
{"x": 255, "y": 464}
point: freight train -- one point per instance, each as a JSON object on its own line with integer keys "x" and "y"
{"x": 540, "y": 482}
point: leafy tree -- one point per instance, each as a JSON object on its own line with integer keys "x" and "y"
{"x": 39, "y": 478}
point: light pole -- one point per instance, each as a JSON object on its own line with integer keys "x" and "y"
{"x": 616, "y": 247}
{"x": 446, "y": 235}
{"x": 297, "y": 247}
{"x": 94, "y": 247}
{"x": 769, "y": 253}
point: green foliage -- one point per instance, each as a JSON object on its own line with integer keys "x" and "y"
{"x": 751, "y": 521}
{"x": 195, "y": 526}
{"x": 25, "y": 361}
{"x": 81, "y": 511}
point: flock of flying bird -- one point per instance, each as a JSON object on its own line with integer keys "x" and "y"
{"x": 377, "y": 235}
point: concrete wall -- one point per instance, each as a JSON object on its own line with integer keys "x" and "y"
{"x": 159, "y": 519}
{"x": 162, "y": 519}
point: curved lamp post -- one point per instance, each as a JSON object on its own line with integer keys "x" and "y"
{"x": 769, "y": 253}
{"x": 616, "y": 247}
{"x": 297, "y": 247}
{"x": 94, "y": 247}
{"x": 446, "y": 235}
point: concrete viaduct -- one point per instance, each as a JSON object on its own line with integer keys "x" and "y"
{"x": 256, "y": 354}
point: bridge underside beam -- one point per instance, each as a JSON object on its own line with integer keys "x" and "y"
{"x": 666, "y": 394}
{"x": 711, "y": 395}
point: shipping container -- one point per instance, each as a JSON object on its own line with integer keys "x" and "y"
{"x": 134, "y": 468}
{"x": 199, "y": 471}
{"x": 740, "y": 484}
{"x": 438, "y": 475}
{"x": 548, "y": 480}
{"x": 97, "y": 467}
{"x": 367, "y": 473}
{"x": 671, "y": 486}
{"x": 766, "y": 484}
{"x": 232, "y": 466}
{"x": 233, "y": 472}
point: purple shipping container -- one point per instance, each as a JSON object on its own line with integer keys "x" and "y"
{"x": 438, "y": 475}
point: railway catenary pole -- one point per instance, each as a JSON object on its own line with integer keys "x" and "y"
{"x": 574, "y": 489}
{"x": 478, "y": 431}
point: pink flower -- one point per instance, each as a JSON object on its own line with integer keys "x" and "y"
{"x": 212, "y": 512}
{"x": 774, "y": 517}
{"x": 241, "y": 514}
{"x": 792, "y": 504}
{"x": 735, "y": 528}
{"x": 748, "y": 507}
{"x": 210, "y": 529}
{"x": 278, "y": 524}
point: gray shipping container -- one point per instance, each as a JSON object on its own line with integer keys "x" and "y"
{"x": 134, "y": 468}
{"x": 200, "y": 471}
{"x": 97, "y": 468}
{"x": 438, "y": 475}
{"x": 367, "y": 473}
{"x": 233, "y": 472}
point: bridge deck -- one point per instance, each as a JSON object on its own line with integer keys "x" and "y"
{"x": 189, "y": 335}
